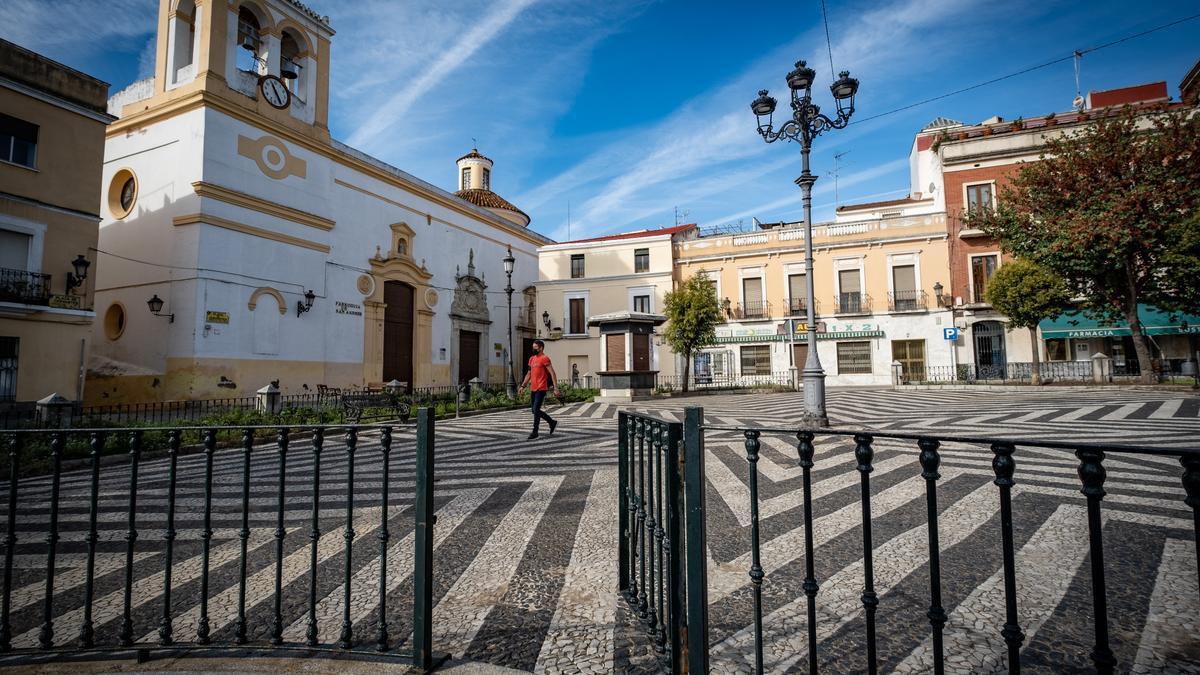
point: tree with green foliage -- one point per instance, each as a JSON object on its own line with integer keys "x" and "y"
{"x": 1114, "y": 210}
{"x": 1026, "y": 293}
{"x": 693, "y": 315}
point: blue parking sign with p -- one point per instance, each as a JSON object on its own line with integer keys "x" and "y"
{"x": 950, "y": 333}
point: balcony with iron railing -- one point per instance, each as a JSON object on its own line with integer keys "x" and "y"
{"x": 752, "y": 311}
{"x": 28, "y": 288}
{"x": 852, "y": 303}
{"x": 799, "y": 306}
{"x": 908, "y": 301}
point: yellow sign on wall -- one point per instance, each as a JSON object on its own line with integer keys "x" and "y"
{"x": 65, "y": 301}
{"x": 216, "y": 317}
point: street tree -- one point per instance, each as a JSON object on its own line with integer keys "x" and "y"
{"x": 1026, "y": 293}
{"x": 1112, "y": 209}
{"x": 693, "y": 314}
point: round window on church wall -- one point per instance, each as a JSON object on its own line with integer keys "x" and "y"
{"x": 114, "y": 321}
{"x": 122, "y": 193}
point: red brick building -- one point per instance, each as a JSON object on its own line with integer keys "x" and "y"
{"x": 976, "y": 161}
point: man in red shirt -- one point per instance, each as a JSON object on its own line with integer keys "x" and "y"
{"x": 540, "y": 378}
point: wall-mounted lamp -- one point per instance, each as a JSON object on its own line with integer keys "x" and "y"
{"x": 546, "y": 320}
{"x": 942, "y": 299}
{"x": 81, "y": 266}
{"x": 306, "y": 304}
{"x": 156, "y": 304}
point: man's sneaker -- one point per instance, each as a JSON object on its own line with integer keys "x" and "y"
{"x": 531, "y": 437}
{"x": 553, "y": 423}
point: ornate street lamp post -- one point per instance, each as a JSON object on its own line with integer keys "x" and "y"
{"x": 806, "y": 123}
{"x": 510, "y": 386}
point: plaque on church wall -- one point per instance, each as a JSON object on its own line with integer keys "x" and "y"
{"x": 348, "y": 308}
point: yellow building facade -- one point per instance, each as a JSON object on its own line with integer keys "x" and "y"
{"x": 52, "y": 125}
{"x": 578, "y": 280}
{"x": 874, "y": 284}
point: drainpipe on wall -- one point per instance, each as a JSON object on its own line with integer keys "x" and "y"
{"x": 82, "y": 369}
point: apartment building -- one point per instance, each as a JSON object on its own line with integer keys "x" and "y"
{"x": 874, "y": 286}
{"x": 578, "y": 280}
{"x": 975, "y": 161}
{"x": 52, "y": 124}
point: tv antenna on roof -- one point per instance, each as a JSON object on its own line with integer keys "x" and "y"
{"x": 837, "y": 167}
{"x": 680, "y": 214}
{"x": 1079, "y": 100}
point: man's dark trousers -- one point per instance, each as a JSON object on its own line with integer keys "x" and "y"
{"x": 536, "y": 398}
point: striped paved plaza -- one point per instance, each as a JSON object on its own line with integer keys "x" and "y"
{"x": 525, "y": 542}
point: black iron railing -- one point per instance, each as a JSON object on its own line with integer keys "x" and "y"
{"x": 852, "y": 303}
{"x": 907, "y": 301}
{"x": 225, "y": 486}
{"x": 652, "y": 521}
{"x": 799, "y": 306}
{"x": 30, "y": 288}
{"x": 726, "y": 382}
{"x": 1016, "y": 372}
{"x": 752, "y": 310}
{"x": 641, "y": 452}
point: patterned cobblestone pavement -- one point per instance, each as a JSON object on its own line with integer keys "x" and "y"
{"x": 525, "y": 542}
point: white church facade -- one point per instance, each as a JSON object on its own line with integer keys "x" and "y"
{"x": 273, "y": 252}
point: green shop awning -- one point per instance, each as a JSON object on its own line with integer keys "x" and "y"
{"x": 1154, "y": 322}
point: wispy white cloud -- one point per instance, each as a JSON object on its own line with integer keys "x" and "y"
{"x": 453, "y": 56}
{"x": 68, "y": 30}
{"x": 711, "y": 136}
{"x": 784, "y": 206}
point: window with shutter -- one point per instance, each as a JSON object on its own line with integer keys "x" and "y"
{"x": 578, "y": 324}
{"x": 615, "y": 347}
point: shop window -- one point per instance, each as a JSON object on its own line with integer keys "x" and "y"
{"x": 911, "y": 355}
{"x": 854, "y": 358}
{"x": 1056, "y": 350}
{"x": 756, "y": 360}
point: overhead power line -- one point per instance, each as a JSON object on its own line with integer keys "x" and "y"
{"x": 1074, "y": 54}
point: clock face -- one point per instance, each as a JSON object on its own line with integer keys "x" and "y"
{"x": 275, "y": 92}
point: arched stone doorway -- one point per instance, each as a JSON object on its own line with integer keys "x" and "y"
{"x": 398, "y": 331}
{"x": 990, "y": 356}
{"x": 398, "y": 313}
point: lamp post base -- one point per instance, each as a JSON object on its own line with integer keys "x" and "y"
{"x": 510, "y": 389}
{"x": 814, "y": 400}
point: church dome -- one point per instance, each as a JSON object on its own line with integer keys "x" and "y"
{"x": 475, "y": 186}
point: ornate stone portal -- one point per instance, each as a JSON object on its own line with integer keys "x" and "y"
{"x": 469, "y": 314}
{"x": 398, "y": 265}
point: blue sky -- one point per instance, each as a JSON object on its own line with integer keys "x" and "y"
{"x": 627, "y": 109}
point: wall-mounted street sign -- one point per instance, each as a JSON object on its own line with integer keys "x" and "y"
{"x": 348, "y": 308}
{"x": 216, "y": 317}
{"x": 65, "y": 301}
{"x": 950, "y": 333}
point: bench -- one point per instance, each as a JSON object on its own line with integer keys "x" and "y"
{"x": 355, "y": 405}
